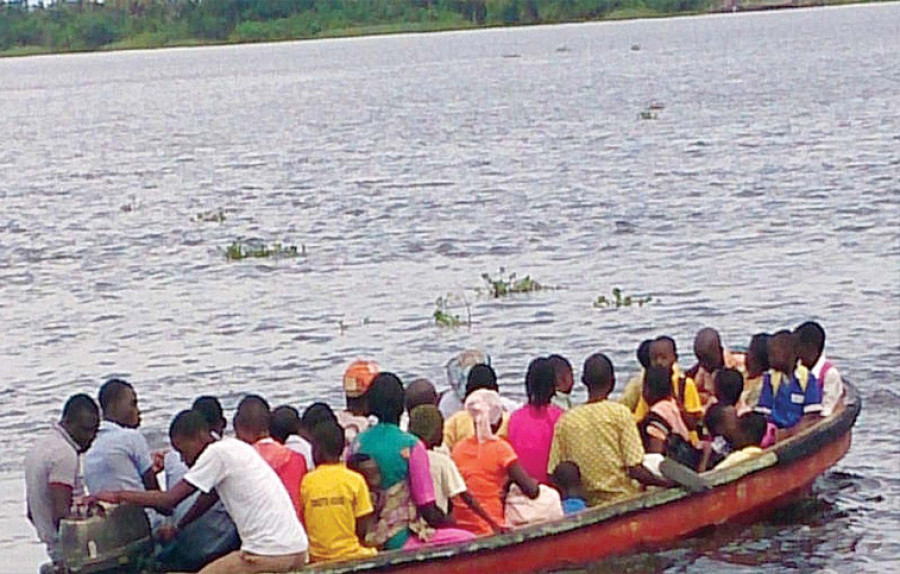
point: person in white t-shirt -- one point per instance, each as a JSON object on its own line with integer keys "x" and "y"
{"x": 811, "y": 347}
{"x": 272, "y": 538}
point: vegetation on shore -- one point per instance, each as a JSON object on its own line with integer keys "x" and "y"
{"x": 70, "y": 25}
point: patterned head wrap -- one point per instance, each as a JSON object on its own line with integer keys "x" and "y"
{"x": 459, "y": 366}
{"x": 486, "y": 410}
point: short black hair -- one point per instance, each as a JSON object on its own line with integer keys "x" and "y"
{"x": 643, "y": 353}
{"x": 540, "y": 382}
{"x": 386, "y": 397}
{"x": 567, "y": 474}
{"x": 210, "y": 408}
{"x": 598, "y": 372}
{"x": 714, "y": 417}
{"x": 78, "y": 406}
{"x": 560, "y": 364}
{"x": 812, "y": 333}
{"x": 315, "y": 414}
{"x": 481, "y": 376}
{"x": 657, "y": 384}
{"x": 666, "y": 339}
{"x": 753, "y": 427}
{"x": 759, "y": 349}
{"x": 188, "y": 424}
{"x": 284, "y": 422}
{"x": 328, "y": 440}
{"x": 253, "y": 413}
{"x": 112, "y": 391}
{"x": 729, "y": 386}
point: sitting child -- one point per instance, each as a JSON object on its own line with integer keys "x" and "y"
{"x": 565, "y": 381}
{"x": 751, "y": 431}
{"x": 336, "y": 505}
{"x": 366, "y": 466}
{"x": 566, "y": 477}
{"x": 757, "y": 363}
{"x": 729, "y": 386}
{"x": 811, "y": 344}
{"x": 789, "y": 392}
{"x": 721, "y": 422}
{"x": 664, "y": 430}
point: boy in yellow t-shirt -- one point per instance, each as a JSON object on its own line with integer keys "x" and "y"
{"x": 337, "y": 508}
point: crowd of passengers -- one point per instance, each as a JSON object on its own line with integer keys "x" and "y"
{"x": 404, "y": 468}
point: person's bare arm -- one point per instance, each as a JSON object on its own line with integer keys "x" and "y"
{"x": 201, "y": 506}
{"x": 363, "y": 526}
{"x": 645, "y": 477}
{"x": 805, "y": 422}
{"x": 692, "y": 420}
{"x": 162, "y": 500}
{"x": 477, "y": 509}
{"x": 704, "y": 461}
{"x": 655, "y": 445}
{"x": 518, "y": 475}
{"x": 434, "y": 517}
{"x": 61, "y": 498}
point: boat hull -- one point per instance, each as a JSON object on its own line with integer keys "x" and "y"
{"x": 745, "y": 492}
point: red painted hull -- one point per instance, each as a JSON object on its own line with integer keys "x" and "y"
{"x": 648, "y": 521}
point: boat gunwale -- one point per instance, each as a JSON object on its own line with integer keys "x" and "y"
{"x": 797, "y": 447}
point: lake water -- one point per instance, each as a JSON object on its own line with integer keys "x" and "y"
{"x": 766, "y": 192}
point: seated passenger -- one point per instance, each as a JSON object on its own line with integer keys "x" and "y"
{"x": 531, "y": 427}
{"x": 272, "y": 538}
{"x": 213, "y": 534}
{"x": 711, "y": 356}
{"x": 634, "y": 388}
{"x": 721, "y": 423}
{"x": 355, "y": 418}
{"x": 285, "y": 428}
{"x": 567, "y": 480}
{"x": 663, "y": 353}
{"x": 487, "y": 464}
{"x": 451, "y": 400}
{"x": 460, "y": 426}
{"x": 427, "y": 423}
{"x": 337, "y": 506}
{"x": 790, "y": 394}
{"x": 729, "y": 385}
{"x": 418, "y": 393}
{"x": 663, "y": 430}
{"x": 602, "y": 439}
{"x": 52, "y": 480}
{"x": 757, "y": 363}
{"x": 811, "y": 338}
{"x": 251, "y": 425}
{"x": 565, "y": 381}
{"x": 751, "y": 431}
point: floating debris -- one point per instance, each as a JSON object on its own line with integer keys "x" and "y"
{"x": 443, "y": 312}
{"x": 656, "y": 106}
{"x": 512, "y": 56}
{"x": 619, "y": 300}
{"x": 563, "y": 49}
{"x": 258, "y": 249}
{"x": 509, "y": 284}
{"x": 635, "y": 47}
{"x": 648, "y": 115}
{"x": 130, "y": 206}
{"x": 213, "y": 216}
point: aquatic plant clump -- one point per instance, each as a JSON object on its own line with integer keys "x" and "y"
{"x": 213, "y": 216}
{"x": 256, "y": 249}
{"x": 510, "y": 284}
{"x": 619, "y": 299}
{"x": 443, "y": 311}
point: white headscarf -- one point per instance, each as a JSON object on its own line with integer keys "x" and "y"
{"x": 486, "y": 410}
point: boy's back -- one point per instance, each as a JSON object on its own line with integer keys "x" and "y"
{"x": 333, "y": 498}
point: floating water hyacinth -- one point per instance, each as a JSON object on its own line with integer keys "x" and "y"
{"x": 213, "y": 216}
{"x": 509, "y": 284}
{"x": 619, "y": 299}
{"x": 443, "y": 311}
{"x": 257, "y": 249}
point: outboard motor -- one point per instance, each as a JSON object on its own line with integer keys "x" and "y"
{"x": 105, "y": 538}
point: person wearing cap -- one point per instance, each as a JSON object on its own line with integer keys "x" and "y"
{"x": 355, "y": 418}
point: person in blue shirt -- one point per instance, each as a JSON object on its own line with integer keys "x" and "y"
{"x": 566, "y": 478}
{"x": 790, "y": 396}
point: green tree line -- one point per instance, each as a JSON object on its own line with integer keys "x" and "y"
{"x": 67, "y": 25}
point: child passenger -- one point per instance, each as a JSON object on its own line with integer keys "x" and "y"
{"x": 757, "y": 363}
{"x": 565, "y": 381}
{"x": 789, "y": 392}
{"x": 752, "y": 430}
{"x": 566, "y": 478}
{"x": 337, "y": 507}
{"x": 531, "y": 427}
{"x": 729, "y": 386}
{"x": 811, "y": 340}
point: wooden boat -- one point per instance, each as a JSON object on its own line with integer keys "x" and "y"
{"x": 742, "y": 493}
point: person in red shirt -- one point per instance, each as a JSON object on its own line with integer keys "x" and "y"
{"x": 251, "y": 425}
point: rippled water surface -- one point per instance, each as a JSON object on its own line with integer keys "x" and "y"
{"x": 766, "y": 192}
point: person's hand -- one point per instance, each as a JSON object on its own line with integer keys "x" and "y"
{"x": 159, "y": 461}
{"x": 111, "y": 497}
{"x": 166, "y": 532}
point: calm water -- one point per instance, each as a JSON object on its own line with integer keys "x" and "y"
{"x": 766, "y": 192}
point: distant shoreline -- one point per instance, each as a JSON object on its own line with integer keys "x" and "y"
{"x": 139, "y": 43}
